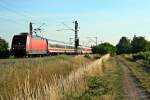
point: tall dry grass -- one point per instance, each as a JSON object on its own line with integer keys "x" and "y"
{"x": 36, "y": 72}
{"x": 43, "y": 85}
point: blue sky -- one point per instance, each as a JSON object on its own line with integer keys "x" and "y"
{"x": 109, "y": 20}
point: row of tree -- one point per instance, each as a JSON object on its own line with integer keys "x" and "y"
{"x": 125, "y": 45}
{"x": 137, "y": 44}
{"x": 4, "y": 52}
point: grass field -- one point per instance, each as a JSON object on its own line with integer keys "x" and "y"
{"x": 27, "y": 76}
{"x": 61, "y": 78}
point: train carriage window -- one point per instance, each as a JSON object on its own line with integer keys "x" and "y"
{"x": 60, "y": 46}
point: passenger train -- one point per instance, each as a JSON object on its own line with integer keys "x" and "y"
{"x": 26, "y": 44}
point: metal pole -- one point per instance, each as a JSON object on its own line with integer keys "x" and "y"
{"x": 76, "y": 36}
{"x": 96, "y": 41}
{"x": 30, "y": 29}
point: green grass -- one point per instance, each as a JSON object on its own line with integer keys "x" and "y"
{"x": 105, "y": 86}
{"x": 142, "y": 55}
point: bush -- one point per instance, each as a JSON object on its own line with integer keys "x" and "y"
{"x": 98, "y": 86}
{"x": 149, "y": 59}
{"x": 4, "y": 52}
{"x": 87, "y": 56}
{"x": 142, "y": 55}
{"x": 104, "y": 48}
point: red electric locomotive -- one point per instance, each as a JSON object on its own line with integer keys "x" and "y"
{"x": 26, "y": 44}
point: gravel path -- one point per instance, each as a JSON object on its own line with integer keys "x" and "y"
{"x": 131, "y": 90}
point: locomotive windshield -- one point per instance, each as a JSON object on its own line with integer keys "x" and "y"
{"x": 19, "y": 40}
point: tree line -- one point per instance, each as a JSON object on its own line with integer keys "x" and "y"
{"x": 4, "y": 52}
{"x": 124, "y": 46}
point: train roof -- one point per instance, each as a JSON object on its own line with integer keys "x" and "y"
{"x": 25, "y": 33}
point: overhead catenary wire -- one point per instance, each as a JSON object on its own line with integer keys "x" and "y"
{"x": 23, "y": 12}
{"x": 68, "y": 26}
{"x": 10, "y": 10}
{"x": 26, "y": 17}
{"x": 3, "y": 5}
{"x": 57, "y": 41}
{"x": 9, "y": 19}
{"x": 22, "y": 15}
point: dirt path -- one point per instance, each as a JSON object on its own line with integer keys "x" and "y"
{"x": 131, "y": 90}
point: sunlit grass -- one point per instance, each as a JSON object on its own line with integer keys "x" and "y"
{"x": 34, "y": 74}
{"x": 60, "y": 78}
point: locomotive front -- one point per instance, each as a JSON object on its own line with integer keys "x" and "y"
{"x": 18, "y": 47}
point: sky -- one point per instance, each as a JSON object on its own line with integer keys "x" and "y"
{"x": 108, "y": 20}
